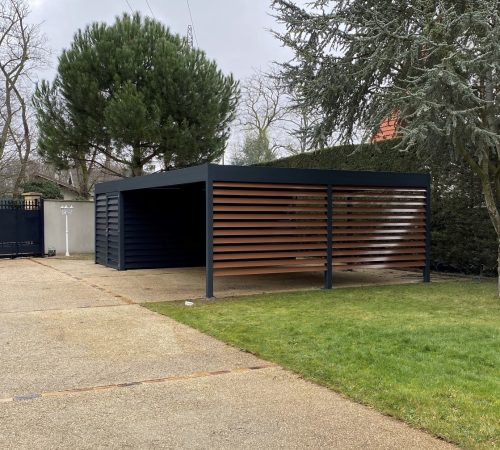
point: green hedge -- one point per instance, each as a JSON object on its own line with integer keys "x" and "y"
{"x": 463, "y": 238}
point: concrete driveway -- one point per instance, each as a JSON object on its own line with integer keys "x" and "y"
{"x": 83, "y": 366}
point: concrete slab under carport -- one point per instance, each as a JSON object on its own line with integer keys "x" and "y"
{"x": 170, "y": 284}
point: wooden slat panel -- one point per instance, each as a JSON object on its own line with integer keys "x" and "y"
{"x": 253, "y": 248}
{"x": 391, "y": 265}
{"x": 264, "y": 232}
{"x": 267, "y": 193}
{"x": 262, "y": 239}
{"x": 277, "y": 228}
{"x": 270, "y": 263}
{"x": 233, "y": 184}
{"x": 268, "y": 255}
{"x": 266, "y": 270}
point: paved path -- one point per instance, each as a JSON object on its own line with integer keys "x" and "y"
{"x": 82, "y": 366}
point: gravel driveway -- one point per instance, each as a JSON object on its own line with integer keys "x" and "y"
{"x": 83, "y": 366}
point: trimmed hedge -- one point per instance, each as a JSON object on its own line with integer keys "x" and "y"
{"x": 463, "y": 238}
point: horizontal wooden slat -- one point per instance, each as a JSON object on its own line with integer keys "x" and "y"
{"x": 268, "y": 201}
{"x": 268, "y": 185}
{"x": 340, "y": 231}
{"x": 342, "y": 203}
{"x": 363, "y": 259}
{"x": 390, "y": 265}
{"x": 378, "y": 224}
{"x": 265, "y": 208}
{"x": 266, "y": 270}
{"x": 267, "y": 255}
{"x": 262, "y": 239}
{"x": 354, "y": 216}
{"x": 267, "y": 193}
{"x": 287, "y": 224}
{"x": 395, "y": 251}
{"x": 253, "y": 248}
{"x": 293, "y": 230}
{"x": 339, "y": 245}
{"x": 270, "y": 263}
{"x": 377, "y": 188}
{"x": 374, "y": 237}
{"x": 356, "y": 209}
{"x": 286, "y": 215}
{"x": 378, "y": 196}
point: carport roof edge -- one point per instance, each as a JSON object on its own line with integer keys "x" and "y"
{"x": 215, "y": 172}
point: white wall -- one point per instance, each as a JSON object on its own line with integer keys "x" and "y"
{"x": 81, "y": 226}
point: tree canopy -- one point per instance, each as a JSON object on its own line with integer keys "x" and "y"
{"x": 435, "y": 64}
{"x": 134, "y": 93}
{"x": 48, "y": 189}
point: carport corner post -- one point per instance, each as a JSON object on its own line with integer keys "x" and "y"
{"x": 427, "y": 267}
{"x": 209, "y": 264}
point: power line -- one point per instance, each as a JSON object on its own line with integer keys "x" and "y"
{"x": 192, "y": 23}
{"x": 149, "y": 6}
{"x": 131, "y": 10}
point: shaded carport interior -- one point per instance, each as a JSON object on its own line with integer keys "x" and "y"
{"x": 238, "y": 221}
{"x": 164, "y": 227}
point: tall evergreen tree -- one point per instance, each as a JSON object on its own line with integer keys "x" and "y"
{"x": 434, "y": 63}
{"x": 132, "y": 92}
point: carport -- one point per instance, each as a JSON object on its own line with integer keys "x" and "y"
{"x": 241, "y": 221}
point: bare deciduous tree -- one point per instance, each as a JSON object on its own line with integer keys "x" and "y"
{"x": 22, "y": 52}
{"x": 272, "y": 120}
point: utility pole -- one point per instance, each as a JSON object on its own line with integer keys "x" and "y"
{"x": 189, "y": 36}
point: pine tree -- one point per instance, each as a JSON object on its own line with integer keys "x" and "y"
{"x": 132, "y": 92}
{"x": 434, "y": 63}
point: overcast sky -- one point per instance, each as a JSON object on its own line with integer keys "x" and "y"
{"x": 233, "y": 32}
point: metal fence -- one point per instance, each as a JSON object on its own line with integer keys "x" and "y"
{"x": 21, "y": 228}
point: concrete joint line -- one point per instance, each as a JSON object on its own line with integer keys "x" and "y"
{"x": 108, "y": 387}
{"x": 122, "y": 298}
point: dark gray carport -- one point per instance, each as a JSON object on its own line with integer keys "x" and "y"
{"x": 267, "y": 220}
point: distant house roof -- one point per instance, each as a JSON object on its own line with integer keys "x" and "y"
{"x": 387, "y": 129}
{"x": 61, "y": 184}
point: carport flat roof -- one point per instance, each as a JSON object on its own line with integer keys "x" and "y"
{"x": 215, "y": 172}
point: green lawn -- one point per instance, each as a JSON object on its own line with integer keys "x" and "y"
{"x": 427, "y": 354}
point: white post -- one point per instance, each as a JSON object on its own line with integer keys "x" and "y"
{"x": 66, "y": 211}
{"x": 67, "y": 235}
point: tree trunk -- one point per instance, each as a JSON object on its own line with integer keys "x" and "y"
{"x": 492, "y": 207}
{"x": 487, "y": 177}
{"x": 137, "y": 164}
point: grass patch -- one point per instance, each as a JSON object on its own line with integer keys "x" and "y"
{"x": 427, "y": 354}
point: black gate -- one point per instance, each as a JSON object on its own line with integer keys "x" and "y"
{"x": 21, "y": 228}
